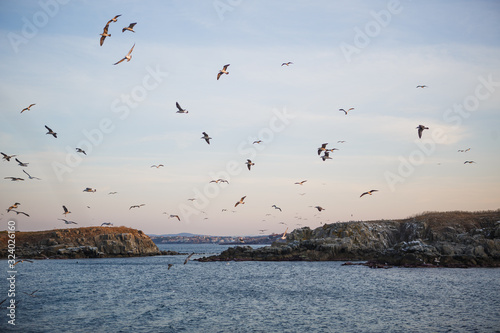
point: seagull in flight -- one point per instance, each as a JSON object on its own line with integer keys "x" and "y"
{"x": 14, "y": 179}
{"x": 130, "y": 27}
{"x": 421, "y": 128}
{"x": 301, "y": 183}
{"x": 104, "y": 34}
{"x": 157, "y": 166}
{"x": 106, "y": 223}
{"x": 32, "y": 294}
{"x": 249, "y": 164}
{"x": 21, "y": 163}
{"x": 89, "y": 189}
{"x": 422, "y": 86}
{"x": 287, "y": 63}
{"x": 188, "y": 257}
{"x": 319, "y": 208}
{"x": 220, "y": 180}
{"x": 18, "y": 212}
{"x": 206, "y": 137}
{"x": 342, "y": 110}
{"x": 21, "y": 261}
{"x": 114, "y": 19}
{"x": 136, "y": 206}
{"x": 112, "y": 192}
{"x": 326, "y": 156}
{"x": 7, "y": 157}
{"x": 176, "y": 216}
{"x": 29, "y": 176}
{"x": 469, "y": 162}
{"x": 341, "y": 141}
{"x": 241, "y": 201}
{"x": 68, "y": 222}
{"x": 223, "y": 71}
{"x": 369, "y": 192}
{"x": 276, "y": 207}
{"x": 322, "y": 148}
{"x": 80, "y": 150}
{"x": 66, "y": 211}
{"x": 257, "y": 141}
{"x": 180, "y": 110}
{"x": 51, "y": 132}
{"x": 284, "y": 234}
{"x": 28, "y": 108}
{"x": 14, "y": 206}
{"x": 128, "y": 57}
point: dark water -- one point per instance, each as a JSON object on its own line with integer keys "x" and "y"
{"x": 141, "y": 295}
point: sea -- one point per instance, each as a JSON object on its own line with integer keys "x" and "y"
{"x": 141, "y": 294}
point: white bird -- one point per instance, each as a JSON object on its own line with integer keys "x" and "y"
{"x": 422, "y": 86}
{"x": 51, "y": 132}
{"x": 7, "y": 157}
{"x": 469, "y": 162}
{"x": 130, "y": 27}
{"x": 104, "y": 33}
{"x": 21, "y": 163}
{"x": 188, "y": 257}
{"x": 206, "y": 137}
{"x": 136, "y": 206}
{"x": 180, "y": 110}
{"x": 89, "y": 189}
{"x": 80, "y": 150}
{"x": 346, "y": 111}
{"x": 114, "y": 19}
{"x": 66, "y": 211}
{"x": 128, "y": 57}
{"x": 326, "y": 156}
{"x": 106, "y": 223}
{"x": 287, "y": 63}
{"x": 276, "y": 207}
{"x": 257, "y": 141}
{"x": 68, "y": 222}
{"x": 157, "y": 166}
{"x": 368, "y": 192}
{"x": 29, "y": 176}
{"x": 176, "y": 216}
{"x": 28, "y": 108}
{"x": 223, "y": 71}
{"x": 322, "y": 148}
{"x": 249, "y": 164}
{"x": 301, "y": 183}
{"x": 241, "y": 201}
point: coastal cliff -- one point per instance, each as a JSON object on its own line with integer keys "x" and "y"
{"x": 450, "y": 239}
{"x": 90, "y": 242}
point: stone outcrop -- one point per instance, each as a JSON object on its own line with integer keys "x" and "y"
{"x": 91, "y": 242}
{"x": 451, "y": 239}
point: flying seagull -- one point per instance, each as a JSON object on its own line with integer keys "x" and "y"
{"x": 369, "y": 192}
{"x": 276, "y": 207}
{"x": 14, "y": 179}
{"x": 106, "y": 223}
{"x": 32, "y": 294}
{"x": 180, "y": 110}
{"x": 287, "y": 63}
{"x": 326, "y": 156}
{"x": 223, "y": 71}
{"x": 80, "y": 150}
{"x": 284, "y": 234}
{"x": 206, "y": 137}
{"x": 249, "y": 164}
{"x": 21, "y": 163}
{"x": 157, "y": 166}
{"x": 128, "y": 57}
{"x": 241, "y": 201}
{"x": 130, "y": 27}
{"x": 7, "y": 157}
{"x": 22, "y": 260}
{"x": 136, "y": 206}
{"x": 114, "y": 19}
{"x": 104, "y": 34}
{"x": 341, "y": 141}
{"x": 29, "y": 176}
{"x": 188, "y": 257}
{"x": 28, "y": 108}
{"x": 422, "y": 86}
{"x": 258, "y": 141}
{"x": 66, "y": 211}
{"x": 319, "y": 208}
{"x": 112, "y": 192}
{"x": 342, "y": 110}
{"x": 68, "y": 222}
{"x": 18, "y": 212}
{"x": 421, "y": 128}
{"x": 51, "y": 132}
{"x": 175, "y": 216}
{"x": 322, "y": 148}
{"x": 89, "y": 189}
{"x": 14, "y": 206}
{"x": 169, "y": 266}
{"x": 301, "y": 183}
{"x": 470, "y": 162}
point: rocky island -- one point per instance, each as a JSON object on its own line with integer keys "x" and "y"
{"x": 90, "y": 242}
{"x": 449, "y": 239}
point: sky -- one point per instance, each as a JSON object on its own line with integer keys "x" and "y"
{"x": 366, "y": 55}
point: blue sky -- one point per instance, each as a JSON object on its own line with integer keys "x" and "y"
{"x": 366, "y": 55}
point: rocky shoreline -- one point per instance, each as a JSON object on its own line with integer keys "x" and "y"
{"x": 448, "y": 239}
{"x": 90, "y": 242}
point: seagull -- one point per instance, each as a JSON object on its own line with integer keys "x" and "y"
{"x": 369, "y": 192}
{"x": 206, "y": 137}
{"x": 181, "y": 110}
{"x": 136, "y": 206}
{"x": 80, "y": 150}
{"x": 287, "y": 63}
{"x": 220, "y": 180}
{"x": 114, "y": 19}
{"x": 284, "y": 234}
{"x": 301, "y": 183}
{"x": 187, "y": 259}
{"x": 14, "y": 179}
{"x": 18, "y": 212}
{"x": 68, "y": 222}
{"x": 322, "y": 148}
{"x": 319, "y": 208}
{"x": 341, "y": 141}
{"x": 104, "y": 33}
{"x": 130, "y": 27}
{"x": 89, "y": 189}
{"x": 422, "y": 86}
{"x": 326, "y": 156}
{"x": 128, "y": 57}
{"x": 258, "y": 141}
{"x": 421, "y": 128}
{"x": 51, "y": 132}
{"x": 157, "y": 166}
{"x": 176, "y": 216}
{"x": 276, "y": 207}
{"x": 29, "y": 176}
{"x": 15, "y": 205}
{"x": 21, "y": 163}
{"x": 342, "y": 110}
{"x": 192, "y": 199}
{"x": 7, "y": 157}
{"x": 21, "y": 261}
{"x": 223, "y": 71}
{"x": 66, "y": 211}
{"x": 466, "y": 150}
{"x": 241, "y": 201}
{"x": 32, "y": 294}
{"x": 106, "y": 223}
{"x": 470, "y": 162}
{"x": 112, "y": 192}
{"x": 169, "y": 266}
{"x": 249, "y": 164}
{"x": 28, "y": 108}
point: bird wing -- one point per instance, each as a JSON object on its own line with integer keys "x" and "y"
{"x": 131, "y": 25}
{"x": 363, "y": 194}
{"x": 225, "y": 67}
{"x": 129, "y": 52}
{"x": 116, "y": 63}
{"x": 102, "y": 40}
{"x": 65, "y": 209}
{"x": 218, "y": 75}
{"x": 178, "y": 106}
{"x": 189, "y": 257}
{"x": 106, "y": 27}
{"x": 48, "y": 128}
